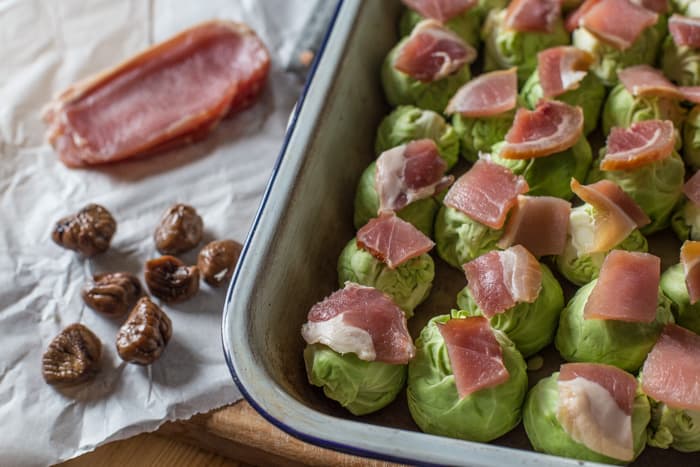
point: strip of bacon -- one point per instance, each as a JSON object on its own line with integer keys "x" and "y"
{"x": 640, "y": 144}
{"x": 627, "y": 289}
{"x": 440, "y": 10}
{"x": 392, "y": 240}
{"x": 433, "y": 52}
{"x": 499, "y": 280}
{"x": 524, "y": 226}
{"x": 532, "y": 15}
{"x": 475, "y": 355}
{"x": 671, "y": 372}
{"x": 692, "y": 188}
{"x": 551, "y": 128}
{"x": 616, "y": 213}
{"x": 617, "y": 22}
{"x": 644, "y": 80}
{"x": 173, "y": 93}
{"x": 487, "y": 95}
{"x": 561, "y": 69}
{"x": 657, "y": 6}
{"x": 486, "y": 192}
{"x": 690, "y": 258}
{"x": 690, "y": 93}
{"x": 685, "y": 31}
{"x": 573, "y": 21}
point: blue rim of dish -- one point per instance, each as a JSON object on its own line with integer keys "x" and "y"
{"x": 227, "y": 352}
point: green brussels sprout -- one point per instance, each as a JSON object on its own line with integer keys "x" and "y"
{"x": 609, "y": 59}
{"x": 583, "y": 268}
{"x": 685, "y": 221}
{"x": 680, "y": 63}
{"x": 623, "y": 109}
{"x": 547, "y": 435}
{"x": 530, "y": 326}
{"x": 359, "y": 386}
{"x": 675, "y": 428}
{"x": 459, "y": 239}
{"x": 407, "y": 123}
{"x": 408, "y": 285}
{"x": 401, "y": 89}
{"x": 674, "y": 287}
{"x": 691, "y": 138}
{"x": 690, "y": 8}
{"x": 466, "y": 25}
{"x": 506, "y": 48}
{"x": 619, "y": 343}
{"x": 655, "y": 187}
{"x": 481, "y": 133}
{"x": 550, "y": 175}
{"x": 435, "y": 404}
{"x": 589, "y": 95}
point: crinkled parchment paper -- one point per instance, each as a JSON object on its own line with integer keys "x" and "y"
{"x": 45, "y": 45}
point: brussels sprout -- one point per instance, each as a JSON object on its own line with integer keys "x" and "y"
{"x": 680, "y": 63}
{"x": 609, "y": 60}
{"x": 547, "y": 435}
{"x": 359, "y": 386}
{"x": 583, "y": 268}
{"x": 675, "y": 428}
{"x": 506, "y": 48}
{"x": 656, "y": 187}
{"x": 673, "y": 285}
{"x": 466, "y": 25}
{"x": 619, "y": 343}
{"x": 401, "y": 89}
{"x": 588, "y": 95}
{"x": 686, "y": 221}
{"x": 459, "y": 239}
{"x": 690, "y": 8}
{"x": 691, "y": 138}
{"x": 407, "y": 123}
{"x": 623, "y": 109}
{"x": 481, "y": 133}
{"x": 408, "y": 285}
{"x": 551, "y": 175}
{"x": 435, "y": 404}
{"x": 530, "y": 326}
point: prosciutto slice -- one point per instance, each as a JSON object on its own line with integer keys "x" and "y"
{"x": 617, "y": 22}
{"x": 690, "y": 258}
{"x": 525, "y": 225}
{"x": 486, "y": 192}
{"x": 685, "y": 31}
{"x": 361, "y": 320}
{"x": 499, "y": 280}
{"x": 692, "y": 188}
{"x": 487, "y": 95}
{"x": 616, "y": 213}
{"x": 671, "y": 372}
{"x": 440, "y": 10}
{"x": 433, "y": 52}
{"x": 173, "y": 93}
{"x": 475, "y": 355}
{"x": 393, "y": 240}
{"x": 627, "y": 289}
{"x": 690, "y": 93}
{"x": 657, "y": 6}
{"x": 532, "y": 15}
{"x": 644, "y": 80}
{"x": 595, "y": 407}
{"x": 640, "y": 144}
{"x": 551, "y": 128}
{"x": 561, "y": 69}
{"x": 408, "y": 173}
{"x": 573, "y": 21}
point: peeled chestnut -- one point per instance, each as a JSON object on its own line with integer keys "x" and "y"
{"x": 180, "y": 229}
{"x": 217, "y": 260}
{"x": 144, "y": 335}
{"x": 72, "y": 357}
{"x": 88, "y": 231}
{"x": 170, "y": 280}
{"x": 113, "y": 293}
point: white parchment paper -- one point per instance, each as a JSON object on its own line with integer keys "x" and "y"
{"x": 45, "y": 45}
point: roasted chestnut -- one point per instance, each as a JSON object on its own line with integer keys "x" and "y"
{"x": 170, "y": 280}
{"x": 144, "y": 335}
{"x": 217, "y": 260}
{"x": 180, "y": 230}
{"x": 72, "y": 357}
{"x": 89, "y": 231}
{"x": 113, "y": 293}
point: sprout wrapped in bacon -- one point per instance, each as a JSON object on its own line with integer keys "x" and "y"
{"x": 437, "y": 400}
{"x": 673, "y": 285}
{"x": 464, "y": 19}
{"x": 691, "y": 138}
{"x": 680, "y": 57}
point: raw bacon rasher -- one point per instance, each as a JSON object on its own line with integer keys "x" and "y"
{"x": 173, "y": 93}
